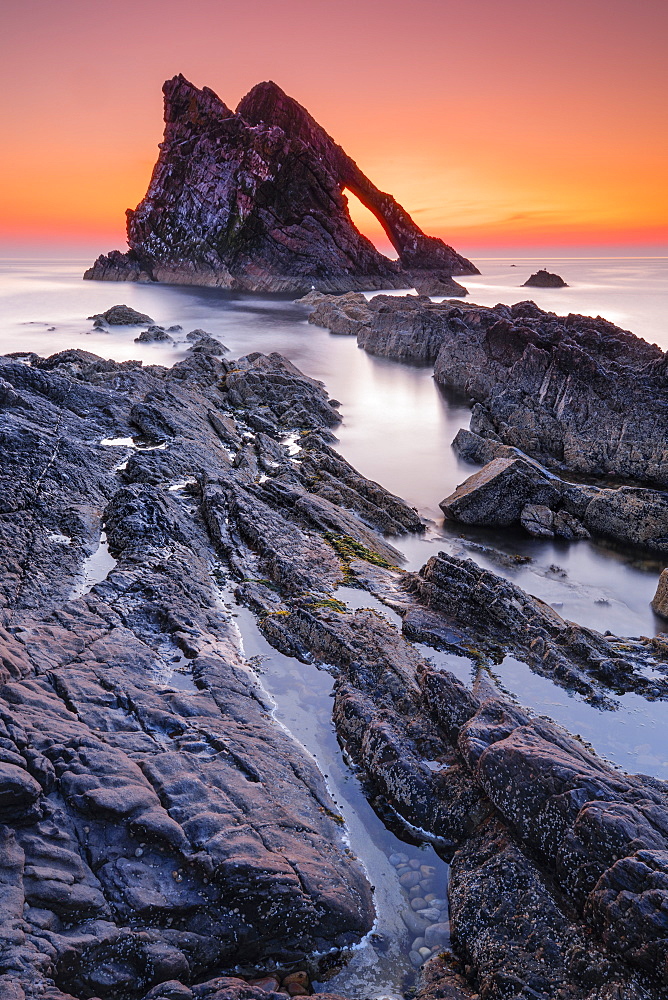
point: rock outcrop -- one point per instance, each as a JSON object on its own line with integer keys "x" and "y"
{"x": 254, "y": 199}
{"x": 545, "y": 279}
{"x": 513, "y": 489}
{"x": 660, "y": 599}
{"x": 576, "y": 393}
{"x": 541, "y": 834}
{"x": 159, "y": 827}
{"x": 157, "y": 824}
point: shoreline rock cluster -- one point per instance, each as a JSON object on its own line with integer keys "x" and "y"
{"x": 577, "y": 394}
{"x": 516, "y": 491}
{"x": 161, "y": 832}
{"x": 254, "y": 199}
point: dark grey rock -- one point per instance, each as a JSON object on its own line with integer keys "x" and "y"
{"x": 499, "y": 493}
{"x": 538, "y": 520}
{"x": 122, "y": 315}
{"x": 154, "y": 334}
{"x": 633, "y": 516}
{"x": 545, "y": 279}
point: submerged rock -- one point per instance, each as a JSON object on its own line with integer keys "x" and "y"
{"x": 274, "y": 217}
{"x": 545, "y": 279}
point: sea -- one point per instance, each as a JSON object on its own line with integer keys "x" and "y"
{"x": 397, "y": 429}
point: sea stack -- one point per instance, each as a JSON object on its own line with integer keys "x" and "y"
{"x": 545, "y": 279}
{"x": 253, "y": 199}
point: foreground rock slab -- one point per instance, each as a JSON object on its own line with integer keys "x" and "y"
{"x": 157, "y": 823}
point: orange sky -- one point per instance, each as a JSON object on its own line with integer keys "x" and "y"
{"x": 493, "y": 123}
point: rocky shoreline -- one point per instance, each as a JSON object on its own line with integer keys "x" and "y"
{"x": 579, "y": 395}
{"x": 163, "y": 836}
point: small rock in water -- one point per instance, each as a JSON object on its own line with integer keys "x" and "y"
{"x": 414, "y": 864}
{"x": 415, "y": 959}
{"x": 409, "y": 879}
{"x": 415, "y": 924}
{"x": 418, "y": 943}
{"x": 660, "y": 599}
{"x": 430, "y": 913}
{"x": 437, "y": 934}
{"x": 425, "y": 953}
{"x": 154, "y": 334}
{"x": 545, "y": 279}
{"x": 204, "y": 344}
{"x": 122, "y": 315}
{"x": 418, "y": 903}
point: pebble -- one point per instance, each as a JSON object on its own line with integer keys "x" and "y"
{"x": 425, "y": 952}
{"x": 397, "y": 859}
{"x": 415, "y": 959}
{"x": 437, "y": 934}
{"x": 440, "y": 904}
{"x": 415, "y": 865}
{"x": 415, "y": 924}
{"x": 298, "y": 978}
{"x": 418, "y": 943}
{"x": 430, "y": 914}
{"x": 409, "y": 879}
{"x": 428, "y": 871}
{"x": 418, "y": 903}
{"x": 269, "y": 983}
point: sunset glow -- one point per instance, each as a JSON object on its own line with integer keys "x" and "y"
{"x": 497, "y": 125}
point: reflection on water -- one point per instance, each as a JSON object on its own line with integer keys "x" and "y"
{"x": 632, "y": 735}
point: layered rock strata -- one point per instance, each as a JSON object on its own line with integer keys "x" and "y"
{"x": 157, "y": 823}
{"x": 160, "y": 828}
{"x": 539, "y": 831}
{"x": 254, "y": 200}
{"x": 576, "y": 393}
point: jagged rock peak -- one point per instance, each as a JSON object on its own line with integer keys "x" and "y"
{"x": 186, "y": 102}
{"x": 254, "y": 200}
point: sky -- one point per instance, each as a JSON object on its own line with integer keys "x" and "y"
{"x": 495, "y": 124}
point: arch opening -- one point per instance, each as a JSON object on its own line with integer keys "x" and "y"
{"x": 367, "y": 223}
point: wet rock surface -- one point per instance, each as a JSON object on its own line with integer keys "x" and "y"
{"x": 574, "y": 392}
{"x": 158, "y": 824}
{"x": 537, "y": 828}
{"x": 160, "y": 829}
{"x": 254, "y": 200}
